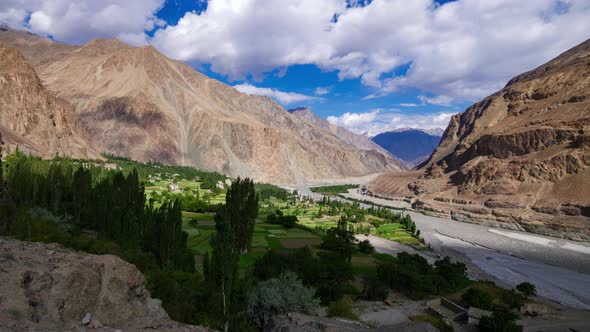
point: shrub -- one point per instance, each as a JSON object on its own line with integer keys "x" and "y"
{"x": 342, "y": 308}
{"x": 366, "y": 247}
{"x": 512, "y": 299}
{"x": 271, "y": 218}
{"x": 288, "y": 221}
{"x": 527, "y": 289}
{"x": 374, "y": 290}
{"x": 278, "y": 296}
{"x": 499, "y": 321}
{"x": 478, "y": 298}
{"x": 440, "y": 324}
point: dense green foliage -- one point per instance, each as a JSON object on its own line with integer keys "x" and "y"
{"x": 266, "y": 191}
{"x": 526, "y": 289}
{"x": 342, "y": 308}
{"x": 209, "y": 180}
{"x": 499, "y": 321}
{"x": 280, "y": 295}
{"x": 415, "y": 277}
{"x": 332, "y": 190}
{"x": 340, "y": 239}
{"x": 87, "y": 198}
{"x": 277, "y": 217}
{"x": 242, "y": 209}
{"x": 475, "y": 297}
{"x": 327, "y": 272}
{"x": 366, "y": 247}
{"x": 374, "y": 289}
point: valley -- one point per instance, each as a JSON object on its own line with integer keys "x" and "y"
{"x": 181, "y": 167}
{"x": 505, "y": 256}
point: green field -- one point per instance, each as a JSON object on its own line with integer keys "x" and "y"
{"x": 265, "y": 236}
{"x": 396, "y": 232}
{"x": 184, "y": 186}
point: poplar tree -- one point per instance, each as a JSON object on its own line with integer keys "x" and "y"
{"x": 224, "y": 265}
{"x": 242, "y": 208}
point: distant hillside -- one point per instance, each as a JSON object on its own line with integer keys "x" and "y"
{"x": 410, "y": 145}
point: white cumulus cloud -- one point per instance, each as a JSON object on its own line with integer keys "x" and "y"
{"x": 462, "y": 49}
{"x": 81, "y": 20}
{"x": 282, "y": 97}
{"x": 381, "y": 120}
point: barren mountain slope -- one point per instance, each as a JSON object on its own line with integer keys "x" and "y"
{"x": 136, "y": 102}
{"x": 362, "y": 142}
{"x": 33, "y": 118}
{"x": 519, "y": 159}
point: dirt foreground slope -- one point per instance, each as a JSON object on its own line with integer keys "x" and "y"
{"x": 48, "y": 288}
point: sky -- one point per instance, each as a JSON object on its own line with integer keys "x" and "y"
{"x": 366, "y": 65}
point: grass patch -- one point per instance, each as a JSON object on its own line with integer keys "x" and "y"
{"x": 434, "y": 321}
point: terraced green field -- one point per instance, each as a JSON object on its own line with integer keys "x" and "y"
{"x": 265, "y": 236}
{"x": 396, "y": 232}
{"x": 162, "y": 186}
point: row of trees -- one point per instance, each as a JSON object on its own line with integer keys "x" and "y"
{"x": 88, "y": 198}
{"x": 415, "y": 277}
{"x": 208, "y": 180}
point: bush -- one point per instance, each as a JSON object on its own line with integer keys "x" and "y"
{"x": 278, "y": 296}
{"x": 288, "y": 221}
{"x": 366, "y": 247}
{"x": 374, "y": 290}
{"x": 342, "y": 308}
{"x": 513, "y": 299}
{"x": 527, "y": 289}
{"x": 416, "y": 278}
{"x": 499, "y": 321}
{"x": 478, "y": 298}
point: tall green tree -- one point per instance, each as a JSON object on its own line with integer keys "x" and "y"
{"x": 224, "y": 264}
{"x": 242, "y": 209}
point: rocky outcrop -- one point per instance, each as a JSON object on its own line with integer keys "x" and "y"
{"x": 295, "y": 322}
{"x": 136, "y": 102}
{"x": 32, "y": 117}
{"x": 48, "y": 288}
{"x": 522, "y": 155}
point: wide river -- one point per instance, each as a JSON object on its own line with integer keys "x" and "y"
{"x": 560, "y": 269}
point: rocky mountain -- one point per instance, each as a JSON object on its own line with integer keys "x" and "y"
{"x": 518, "y": 159}
{"x": 413, "y": 146}
{"x": 358, "y": 141}
{"x": 32, "y": 117}
{"x": 136, "y": 102}
{"x": 55, "y": 289}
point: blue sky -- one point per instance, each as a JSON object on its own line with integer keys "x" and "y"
{"x": 367, "y": 65}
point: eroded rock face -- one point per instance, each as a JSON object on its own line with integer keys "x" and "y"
{"x": 521, "y": 154}
{"x": 32, "y": 117}
{"x": 49, "y": 288}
